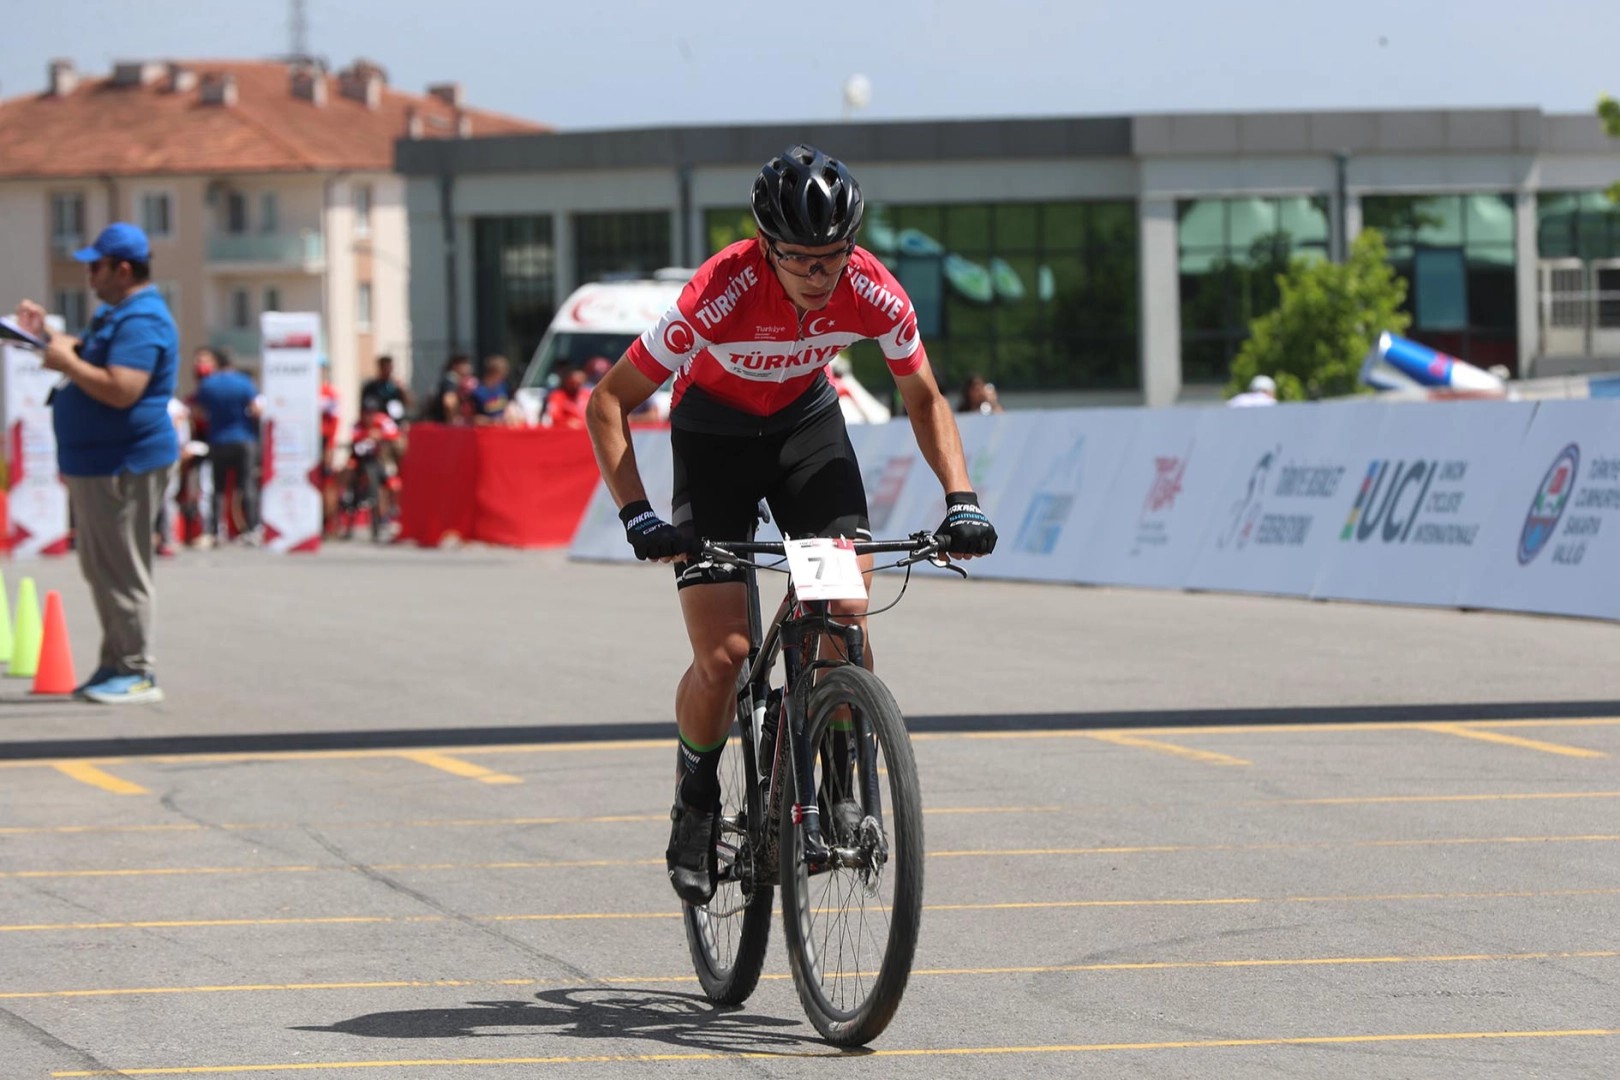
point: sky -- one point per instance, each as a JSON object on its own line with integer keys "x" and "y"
{"x": 640, "y": 63}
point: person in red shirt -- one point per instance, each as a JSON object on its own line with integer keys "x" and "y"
{"x": 374, "y": 445}
{"x": 331, "y": 418}
{"x": 754, "y": 416}
{"x": 565, "y": 405}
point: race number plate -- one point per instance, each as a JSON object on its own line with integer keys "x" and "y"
{"x": 825, "y": 569}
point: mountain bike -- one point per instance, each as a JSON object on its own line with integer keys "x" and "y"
{"x": 819, "y": 795}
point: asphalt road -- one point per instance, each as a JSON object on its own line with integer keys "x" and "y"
{"x": 402, "y": 816}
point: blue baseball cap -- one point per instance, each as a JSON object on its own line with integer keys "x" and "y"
{"x": 120, "y": 240}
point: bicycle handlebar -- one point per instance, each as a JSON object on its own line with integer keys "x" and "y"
{"x": 919, "y": 546}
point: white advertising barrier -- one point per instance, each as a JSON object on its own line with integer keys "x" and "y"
{"x": 1553, "y": 543}
{"x": 993, "y": 446}
{"x": 37, "y": 502}
{"x": 1046, "y": 506}
{"x": 290, "y": 502}
{"x": 1279, "y": 507}
{"x": 890, "y": 465}
{"x": 1422, "y": 486}
{"x": 1161, "y": 502}
{"x": 600, "y": 535}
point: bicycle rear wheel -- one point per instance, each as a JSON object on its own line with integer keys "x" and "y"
{"x": 728, "y": 936}
{"x": 852, "y": 926}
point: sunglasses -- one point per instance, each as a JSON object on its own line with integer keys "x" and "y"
{"x": 800, "y": 265}
{"x": 97, "y": 265}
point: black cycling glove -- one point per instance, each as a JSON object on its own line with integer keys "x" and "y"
{"x": 966, "y": 530}
{"x": 651, "y": 535}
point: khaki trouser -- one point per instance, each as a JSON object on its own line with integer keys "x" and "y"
{"x": 113, "y": 518}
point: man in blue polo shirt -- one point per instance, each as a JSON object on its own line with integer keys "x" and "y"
{"x": 115, "y": 446}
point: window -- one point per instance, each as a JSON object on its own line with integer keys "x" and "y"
{"x": 67, "y": 222}
{"x": 272, "y": 299}
{"x": 236, "y": 213}
{"x": 1231, "y": 253}
{"x": 607, "y": 245}
{"x": 269, "y": 213}
{"x": 241, "y": 310}
{"x": 1031, "y": 295}
{"x": 362, "y": 210}
{"x": 515, "y": 285}
{"x": 1457, "y": 253}
{"x": 72, "y": 305}
{"x": 362, "y": 306}
{"x": 157, "y": 214}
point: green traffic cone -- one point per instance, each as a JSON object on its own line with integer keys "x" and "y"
{"x": 5, "y": 621}
{"x": 25, "y": 641}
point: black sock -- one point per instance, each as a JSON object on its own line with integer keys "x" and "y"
{"x": 699, "y": 772}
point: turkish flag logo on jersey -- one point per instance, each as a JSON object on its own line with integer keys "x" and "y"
{"x": 908, "y": 330}
{"x": 678, "y": 338}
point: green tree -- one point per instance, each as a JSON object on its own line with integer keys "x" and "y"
{"x": 1609, "y": 110}
{"x": 1327, "y": 317}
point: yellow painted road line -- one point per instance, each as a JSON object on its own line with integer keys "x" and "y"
{"x": 457, "y": 767}
{"x": 637, "y": 980}
{"x": 86, "y": 773}
{"x": 637, "y": 916}
{"x": 945, "y": 1051}
{"x": 1508, "y": 796}
{"x": 967, "y": 853}
{"x": 1208, "y": 757}
{"x": 1513, "y": 740}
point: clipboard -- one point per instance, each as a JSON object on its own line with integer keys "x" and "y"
{"x": 12, "y": 332}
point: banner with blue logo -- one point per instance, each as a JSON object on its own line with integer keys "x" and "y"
{"x": 1553, "y": 544}
{"x": 1424, "y": 485}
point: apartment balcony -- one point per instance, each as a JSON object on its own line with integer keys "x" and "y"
{"x": 243, "y": 344}
{"x": 267, "y": 253}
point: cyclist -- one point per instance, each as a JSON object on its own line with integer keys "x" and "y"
{"x": 755, "y": 416}
{"x": 373, "y": 455}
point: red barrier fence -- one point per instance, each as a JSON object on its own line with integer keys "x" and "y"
{"x": 521, "y": 487}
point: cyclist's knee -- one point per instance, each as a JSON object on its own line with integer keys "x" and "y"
{"x": 719, "y": 663}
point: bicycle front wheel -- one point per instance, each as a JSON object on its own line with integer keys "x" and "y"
{"x": 728, "y": 935}
{"x": 851, "y": 926}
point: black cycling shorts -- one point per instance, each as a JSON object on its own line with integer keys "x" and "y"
{"x": 807, "y": 474}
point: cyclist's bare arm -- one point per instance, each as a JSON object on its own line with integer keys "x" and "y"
{"x": 607, "y": 417}
{"x": 934, "y": 425}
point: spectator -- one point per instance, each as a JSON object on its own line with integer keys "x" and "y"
{"x": 396, "y": 400}
{"x": 596, "y": 368}
{"x": 978, "y": 396}
{"x": 452, "y": 397}
{"x": 231, "y": 402}
{"x": 180, "y": 417}
{"x": 1262, "y": 391}
{"x": 194, "y": 482}
{"x": 565, "y": 405}
{"x": 492, "y": 397}
{"x": 374, "y": 451}
{"x": 115, "y": 448}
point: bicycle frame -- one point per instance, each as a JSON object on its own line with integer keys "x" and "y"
{"x": 794, "y": 634}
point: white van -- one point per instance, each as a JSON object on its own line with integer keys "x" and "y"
{"x": 602, "y": 319}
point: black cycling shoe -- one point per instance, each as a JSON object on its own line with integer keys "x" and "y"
{"x": 847, "y": 816}
{"x": 690, "y": 856}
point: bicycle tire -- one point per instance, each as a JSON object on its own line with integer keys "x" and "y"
{"x": 846, "y": 1004}
{"x": 728, "y": 936}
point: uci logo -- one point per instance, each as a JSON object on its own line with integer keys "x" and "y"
{"x": 1392, "y": 478}
{"x": 1548, "y": 505}
{"x": 678, "y": 338}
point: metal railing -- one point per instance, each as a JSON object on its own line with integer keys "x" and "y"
{"x": 288, "y": 249}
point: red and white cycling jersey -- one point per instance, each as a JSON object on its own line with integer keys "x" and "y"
{"x": 734, "y": 333}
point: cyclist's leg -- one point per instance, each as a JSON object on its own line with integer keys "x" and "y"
{"x": 713, "y": 497}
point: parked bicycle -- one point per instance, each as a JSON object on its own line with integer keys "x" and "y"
{"x": 819, "y": 794}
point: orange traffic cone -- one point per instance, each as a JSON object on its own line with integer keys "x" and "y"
{"x": 55, "y": 674}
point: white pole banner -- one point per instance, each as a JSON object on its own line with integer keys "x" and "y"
{"x": 37, "y": 502}
{"x": 1162, "y": 500}
{"x": 1047, "y": 505}
{"x": 1553, "y": 544}
{"x": 1420, "y": 492}
{"x": 290, "y": 502}
{"x": 1279, "y": 507}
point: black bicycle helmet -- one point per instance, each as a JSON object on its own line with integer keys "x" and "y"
{"x": 806, "y": 198}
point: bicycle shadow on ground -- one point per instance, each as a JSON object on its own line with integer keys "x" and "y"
{"x": 689, "y": 1021}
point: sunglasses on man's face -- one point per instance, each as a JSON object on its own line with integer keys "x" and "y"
{"x": 98, "y": 265}
{"x": 803, "y": 265}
